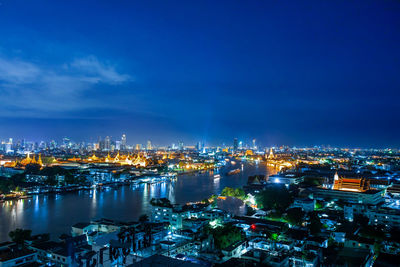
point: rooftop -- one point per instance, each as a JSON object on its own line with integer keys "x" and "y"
{"x": 161, "y": 261}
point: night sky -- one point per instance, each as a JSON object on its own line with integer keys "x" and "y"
{"x": 284, "y": 72}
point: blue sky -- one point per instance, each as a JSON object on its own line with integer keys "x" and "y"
{"x": 292, "y": 72}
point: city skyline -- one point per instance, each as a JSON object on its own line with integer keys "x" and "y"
{"x": 199, "y": 133}
{"x": 294, "y": 74}
{"x": 174, "y": 144}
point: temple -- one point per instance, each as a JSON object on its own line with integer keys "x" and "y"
{"x": 350, "y": 184}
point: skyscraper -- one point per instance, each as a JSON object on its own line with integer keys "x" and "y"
{"x": 180, "y": 145}
{"x": 149, "y": 146}
{"x": 107, "y": 143}
{"x": 235, "y": 144}
{"x": 199, "y": 146}
{"x": 118, "y": 145}
{"x": 66, "y": 142}
{"x": 123, "y": 142}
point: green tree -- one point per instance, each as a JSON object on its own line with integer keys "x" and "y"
{"x": 240, "y": 194}
{"x": 225, "y": 235}
{"x": 295, "y": 216}
{"x": 274, "y": 197}
{"x": 231, "y": 192}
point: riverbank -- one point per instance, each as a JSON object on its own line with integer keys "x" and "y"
{"x": 47, "y": 212}
{"x": 28, "y": 192}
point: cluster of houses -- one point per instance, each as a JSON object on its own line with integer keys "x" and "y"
{"x": 174, "y": 235}
{"x": 187, "y": 235}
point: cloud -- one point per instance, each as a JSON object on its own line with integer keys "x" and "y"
{"x": 97, "y": 71}
{"x": 17, "y": 72}
{"x": 28, "y": 89}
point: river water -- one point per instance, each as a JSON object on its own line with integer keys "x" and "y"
{"x": 55, "y": 214}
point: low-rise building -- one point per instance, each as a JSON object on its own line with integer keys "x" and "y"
{"x": 372, "y": 197}
{"x": 306, "y": 204}
{"x": 384, "y": 216}
{"x": 286, "y": 179}
{"x": 13, "y": 255}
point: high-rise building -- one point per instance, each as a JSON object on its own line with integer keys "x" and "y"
{"x": 118, "y": 145}
{"x": 254, "y": 144}
{"x": 149, "y": 146}
{"x": 235, "y": 144}
{"x": 107, "y": 143}
{"x": 123, "y": 142}
{"x": 180, "y": 145}
{"x": 66, "y": 142}
{"x": 200, "y": 146}
{"x": 138, "y": 147}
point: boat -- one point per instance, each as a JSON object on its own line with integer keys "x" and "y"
{"x": 217, "y": 176}
{"x": 235, "y": 171}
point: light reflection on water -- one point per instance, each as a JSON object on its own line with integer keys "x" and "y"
{"x": 57, "y": 213}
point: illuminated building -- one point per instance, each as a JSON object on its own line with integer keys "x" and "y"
{"x": 123, "y": 142}
{"x": 235, "y": 145}
{"x": 39, "y": 161}
{"x": 29, "y": 160}
{"x": 372, "y": 197}
{"x": 118, "y": 145}
{"x": 107, "y": 143}
{"x": 149, "y": 146}
{"x": 271, "y": 154}
{"x": 180, "y": 146}
{"x": 199, "y": 146}
{"x": 350, "y": 184}
{"x": 93, "y": 158}
{"x": 286, "y": 179}
{"x": 249, "y": 152}
{"x": 66, "y": 142}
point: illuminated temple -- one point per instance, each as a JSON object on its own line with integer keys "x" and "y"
{"x": 139, "y": 159}
{"x": 25, "y": 161}
{"x": 350, "y": 184}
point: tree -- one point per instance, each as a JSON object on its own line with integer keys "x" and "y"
{"x": 295, "y": 216}
{"x": 274, "y": 197}
{"x": 143, "y": 218}
{"x": 20, "y": 235}
{"x": 161, "y": 202}
{"x": 32, "y": 168}
{"x": 225, "y": 235}
{"x": 250, "y": 211}
{"x": 240, "y": 194}
{"x": 315, "y": 223}
{"x": 6, "y": 185}
{"x": 231, "y": 192}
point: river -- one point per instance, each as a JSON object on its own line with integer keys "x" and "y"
{"x": 55, "y": 214}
